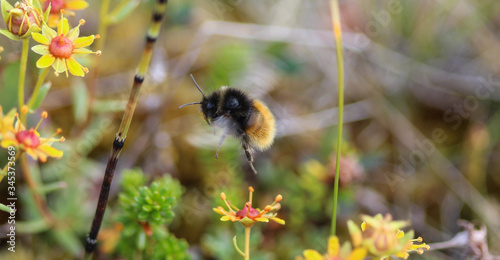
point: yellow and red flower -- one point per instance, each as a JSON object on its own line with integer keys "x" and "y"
{"x": 30, "y": 141}
{"x": 66, "y": 6}
{"x": 249, "y": 215}
{"x": 60, "y": 49}
{"x": 335, "y": 252}
{"x": 22, "y": 19}
{"x": 6, "y": 122}
{"x": 383, "y": 237}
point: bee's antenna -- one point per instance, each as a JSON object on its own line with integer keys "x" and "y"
{"x": 188, "y": 104}
{"x": 196, "y": 84}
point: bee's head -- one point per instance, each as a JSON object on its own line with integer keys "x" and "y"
{"x": 209, "y": 106}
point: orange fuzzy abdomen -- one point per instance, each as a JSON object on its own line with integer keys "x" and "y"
{"x": 261, "y": 127}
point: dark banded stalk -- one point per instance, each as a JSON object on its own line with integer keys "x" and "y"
{"x": 121, "y": 135}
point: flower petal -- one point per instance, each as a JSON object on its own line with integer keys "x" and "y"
{"x": 9, "y": 142}
{"x": 59, "y": 65}
{"x": 333, "y": 246}
{"x": 53, "y": 20}
{"x": 41, "y": 156}
{"x": 225, "y": 218}
{"x": 355, "y": 232}
{"x": 48, "y": 33}
{"x": 357, "y": 254}
{"x": 83, "y": 41}
{"x": 81, "y": 52}
{"x": 41, "y": 49}
{"x": 63, "y": 27}
{"x": 32, "y": 154}
{"x": 262, "y": 219}
{"x": 77, "y": 5}
{"x": 45, "y": 61}
{"x": 73, "y": 33}
{"x": 40, "y": 38}
{"x": 278, "y": 220}
{"x": 50, "y": 151}
{"x": 218, "y": 211}
{"x": 310, "y": 254}
{"x": 75, "y": 68}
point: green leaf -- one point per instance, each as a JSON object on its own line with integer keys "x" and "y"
{"x": 32, "y": 226}
{"x": 80, "y": 100}
{"x": 4, "y": 208}
{"x": 141, "y": 240}
{"x": 47, "y": 188}
{"x": 37, "y": 4}
{"x": 68, "y": 240}
{"x": 5, "y": 8}
{"x": 143, "y": 216}
{"x": 147, "y": 208}
{"x": 156, "y": 215}
{"x": 8, "y": 88}
{"x": 9, "y": 35}
{"x": 47, "y": 13}
{"x": 44, "y": 89}
{"x": 122, "y": 10}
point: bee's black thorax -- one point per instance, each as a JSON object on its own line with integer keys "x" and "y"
{"x": 230, "y": 107}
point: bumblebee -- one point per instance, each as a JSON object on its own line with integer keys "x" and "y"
{"x": 238, "y": 115}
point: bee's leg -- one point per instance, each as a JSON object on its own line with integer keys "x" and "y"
{"x": 220, "y": 143}
{"x": 248, "y": 153}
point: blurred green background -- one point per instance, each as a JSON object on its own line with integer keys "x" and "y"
{"x": 421, "y": 136}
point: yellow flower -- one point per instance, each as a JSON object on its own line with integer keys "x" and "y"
{"x": 410, "y": 246}
{"x": 383, "y": 237}
{"x": 30, "y": 141}
{"x": 6, "y": 122}
{"x": 60, "y": 48}
{"x": 1, "y": 50}
{"x": 335, "y": 252}
{"x": 249, "y": 215}
{"x": 66, "y": 6}
{"x": 22, "y": 19}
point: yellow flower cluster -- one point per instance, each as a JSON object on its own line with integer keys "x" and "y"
{"x": 378, "y": 236}
{"x": 60, "y": 48}
{"x": 14, "y": 133}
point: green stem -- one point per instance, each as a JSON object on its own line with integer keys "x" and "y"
{"x": 39, "y": 82}
{"x": 340, "y": 70}
{"x": 103, "y": 24}
{"x": 247, "y": 243}
{"x": 121, "y": 135}
{"x": 237, "y": 248}
{"x": 102, "y": 32}
{"x": 22, "y": 75}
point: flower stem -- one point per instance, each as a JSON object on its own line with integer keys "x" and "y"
{"x": 42, "y": 207}
{"x": 103, "y": 23}
{"x": 102, "y": 32}
{"x": 337, "y": 31}
{"x": 237, "y": 248}
{"x": 247, "y": 243}
{"x": 39, "y": 82}
{"x": 22, "y": 75}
